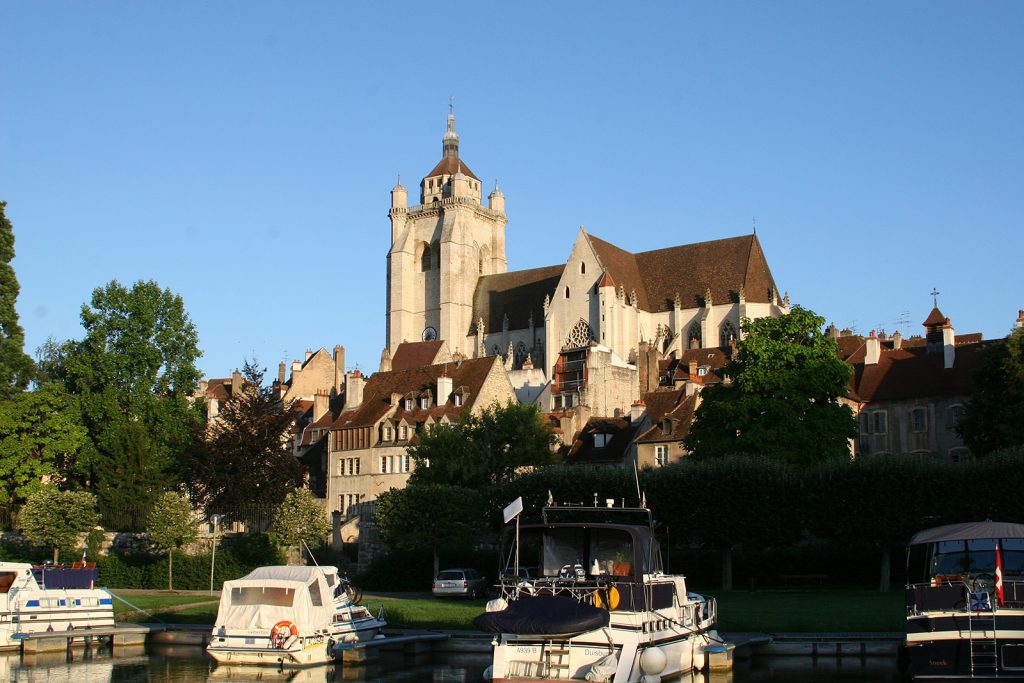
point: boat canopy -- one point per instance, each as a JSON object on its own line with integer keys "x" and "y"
{"x": 268, "y": 595}
{"x": 968, "y": 531}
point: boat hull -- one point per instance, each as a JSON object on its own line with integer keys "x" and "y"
{"x": 251, "y": 649}
{"x": 958, "y": 645}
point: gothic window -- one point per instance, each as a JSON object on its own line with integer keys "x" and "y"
{"x": 494, "y": 350}
{"x": 520, "y": 353}
{"x": 668, "y": 340}
{"x": 580, "y": 336}
{"x": 583, "y": 268}
{"x": 425, "y": 258}
{"x": 728, "y": 333}
{"x": 694, "y": 336}
{"x": 566, "y": 292}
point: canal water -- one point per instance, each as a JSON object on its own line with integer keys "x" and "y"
{"x": 188, "y": 664}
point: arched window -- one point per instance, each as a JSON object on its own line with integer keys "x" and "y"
{"x": 520, "y": 353}
{"x": 728, "y": 334}
{"x": 583, "y": 268}
{"x": 425, "y": 258}
{"x": 580, "y": 336}
{"x": 566, "y": 292}
{"x": 693, "y": 337}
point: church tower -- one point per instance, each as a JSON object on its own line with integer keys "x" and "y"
{"x": 439, "y": 249}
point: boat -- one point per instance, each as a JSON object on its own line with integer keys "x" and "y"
{"x": 598, "y": 605}
{"x": 965, "y": 602}
{"x": 288, "y": 616}
{"x": 38, "y": 599}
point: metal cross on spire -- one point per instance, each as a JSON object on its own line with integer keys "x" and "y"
{"x": 935, "y": 297}
{"x": 451, "y": 104}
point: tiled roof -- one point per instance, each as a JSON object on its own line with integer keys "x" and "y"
{"x": 681, "y": 417}
{"x": 661, "y": 402}
{"x": 583, "y": 451}
{"x": 377, "y": 393}
{"x": 516, "y": 294}
{"x": 451, "y": 166}
{"x": 219, "y": 388}
{"x": 914, "y": 373}
{"x": 715, "y": 358}
{"x": 690, "y": 270}
{"x": 414, "y": 354}
{"x": 935, "y": 318}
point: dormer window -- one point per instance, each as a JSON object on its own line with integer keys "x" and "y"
{"x": 601, "y": 440}
{"x": 388, "y": 433}
{"x": 408, "y": 404}
{"x": 458, "y": 400}
{"x": 666, "y": 426}
{"x": 424, "y": 402}
{"x": 404, "y": 431}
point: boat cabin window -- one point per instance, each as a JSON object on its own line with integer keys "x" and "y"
{"x": 7, "y": 580}
{"x": 977, "y": 556}
{"x": 263, "y": 595}
{"x": 607, "y": 552}
{"x": 314, "y": 593}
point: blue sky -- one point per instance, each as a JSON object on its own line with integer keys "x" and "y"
{"x": 242, "y": 153}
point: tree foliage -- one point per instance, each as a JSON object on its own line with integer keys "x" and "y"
{"x": 16, "y": 367}
{"x": 40, "y": 434}
{"x": 481, "y": 450}
{"x": 301, "y": 518}
{"x": 171, "y": 525}
{"x": 783, "y": 400}
{"x": 429, "y": 516}
{"x": 133, "y": 372}
{"x": 992, "y": 417}
{"x": 56, "y": 518}
{"x": 241, "y": 458}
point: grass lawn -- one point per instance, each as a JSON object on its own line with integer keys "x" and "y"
{"x": 807, "y": 610}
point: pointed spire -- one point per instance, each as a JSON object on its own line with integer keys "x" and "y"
{"x": 450, "y": 142}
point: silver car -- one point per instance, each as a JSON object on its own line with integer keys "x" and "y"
{"x": 463, "y": 583}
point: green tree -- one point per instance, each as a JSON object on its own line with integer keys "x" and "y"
{"x": 301, "y": 518}
{"x": 56, "y": 518}
{"x": 171, "y": 525}
{"x": 992, "y": 418}
{"x": 482, "y": 450}
{"x": 40, "y": 434}
{"x": 135, "y": 366}
{"x": 428, "y": 516}
{"x": 783, "y": 398}
{"x": 15, "y": 366}
{"x": 241, "y": 458}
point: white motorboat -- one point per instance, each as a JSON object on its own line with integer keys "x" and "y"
{"x": 41, "y": 599}
{"x": 598, "y": 607}
{"x": 289, "y": 617}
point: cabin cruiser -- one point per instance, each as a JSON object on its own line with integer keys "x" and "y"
{"x": 965, "y": 601}
{"x": 288, "y": 617}
{"x": 47, "y": 598}
{"x": 596, "y": 604}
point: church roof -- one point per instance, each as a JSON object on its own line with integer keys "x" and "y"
{"x": 414, "y": 354}
{"x": 516, "y": 294}
{"x": 690, "y": 270}
{"x": 935, "y": 318}
{"x": 451, "y": 166}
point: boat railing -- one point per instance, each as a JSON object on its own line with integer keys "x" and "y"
{"x": 578, "y": 589}
{"x": 948, "y": 593}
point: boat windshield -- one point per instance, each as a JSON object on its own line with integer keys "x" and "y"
{"x": 6, "y": 581}
{"x": 580, "y": 551}
{"x": 977, "y": 556}
{"x": 263, "y": 595}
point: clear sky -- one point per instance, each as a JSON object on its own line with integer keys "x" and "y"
{"x": 242, "y": 153}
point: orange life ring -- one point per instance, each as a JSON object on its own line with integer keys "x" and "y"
{"x": 611, "y": 600}
{"x": 281, "y": 632}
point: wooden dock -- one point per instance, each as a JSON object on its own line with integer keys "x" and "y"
{"x": 57, "y": 641}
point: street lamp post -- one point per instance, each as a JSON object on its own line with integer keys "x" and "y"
{"x": 214, "y": 519}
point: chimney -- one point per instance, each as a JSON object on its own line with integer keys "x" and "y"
{"x": 1020, "y": 319}
{"x": 444, "y": 389}
{"x": 236, "y": 383}
{"x": 636, "y": 411}
{"x": 339, "y": 368}
{"x": 280, "y": 373}
{"x": 321, "y": 401}
{"x": 872, "y": 349}
{"x": 309, "y": 353}
{"x": 296, "y": 369}
{"x": 948, "y": 345}
{"x": 354, "y": 384}
{"x": 897, "y": 340}
{"x": 693, "y": 369}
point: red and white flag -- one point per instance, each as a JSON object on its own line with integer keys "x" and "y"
{"x": 999, "y": 576}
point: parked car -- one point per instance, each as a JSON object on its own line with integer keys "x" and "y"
{"x": 465, "y": 583}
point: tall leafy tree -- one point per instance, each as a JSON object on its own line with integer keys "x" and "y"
{"x": 992, "y": 417}
{"x": 301, "y": 518}
{"x": 15, "y": 366}
{"x": 171, "y": 525}
{"x": 241, "y": 459}
{"x": 56, "y": 518}
{"x": 783, "y": 400}
{"x": 134, "y": 372}
{"x": 485, "y": 449}
{"x": 41, "y": 433}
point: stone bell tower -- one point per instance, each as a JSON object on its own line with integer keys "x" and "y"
{"x": 439, "y": 249}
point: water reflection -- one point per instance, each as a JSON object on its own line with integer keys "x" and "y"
{"x": 169, "y": 664}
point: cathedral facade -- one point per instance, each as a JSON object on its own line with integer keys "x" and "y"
{"x": 587, "y": 332}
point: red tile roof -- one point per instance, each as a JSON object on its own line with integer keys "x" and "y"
{"x": 582, "y": 450}
{"x": 515, "y": 294}
{"x": 680, "y": 417}
{"x": 913, "y": 373}
{"x": 451, "y": 166}
{"x": 414, "y": 354}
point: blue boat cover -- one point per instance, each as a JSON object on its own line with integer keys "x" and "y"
{"x": 549, "y": 615}
{"x": 65, "y": 577}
